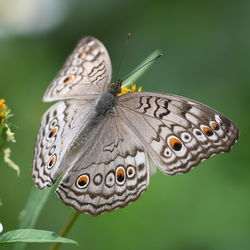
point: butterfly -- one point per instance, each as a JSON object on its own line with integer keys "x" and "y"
{"x": 100, "y": 139}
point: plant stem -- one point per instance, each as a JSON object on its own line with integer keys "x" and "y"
{"x": 66, "y": 228}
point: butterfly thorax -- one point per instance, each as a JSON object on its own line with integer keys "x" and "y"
{"x": 108, "y": 99}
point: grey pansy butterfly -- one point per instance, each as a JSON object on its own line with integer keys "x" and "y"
{"x": 100, "y": 138}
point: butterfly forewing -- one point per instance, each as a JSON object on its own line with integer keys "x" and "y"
{"x": 177, "y": 132}
{"x": 85, "y": 75}
{"x": 113, "y": 172}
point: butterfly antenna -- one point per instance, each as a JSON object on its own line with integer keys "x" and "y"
{"x": 123, "y": 56}
{"x": 142, "y": 66}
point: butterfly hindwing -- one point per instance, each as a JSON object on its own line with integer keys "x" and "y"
{"x": 59, "y": 126}
{"x": 177, "y": 132}
{"x": 111, "y": 173}
{"x": 85, "y": 74}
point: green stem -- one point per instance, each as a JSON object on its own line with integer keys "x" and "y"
{"x": 66, "y": 228}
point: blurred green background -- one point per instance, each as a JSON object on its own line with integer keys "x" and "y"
{"x": 207, "y": 46}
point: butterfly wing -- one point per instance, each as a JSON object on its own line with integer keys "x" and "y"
{"x": 59, "y": 127}
{"x": 177, "y": 132}
{"x": 85, "y": 74}
{"x": 111, "y": 173}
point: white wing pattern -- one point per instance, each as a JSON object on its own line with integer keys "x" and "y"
{"x": 112, "y": 172}
{"x": 177, "y": 132}
{"x": 59, "y": 126}
{"x": 85, "y": 75}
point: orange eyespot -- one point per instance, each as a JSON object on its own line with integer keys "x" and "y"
{"x": 53, "y": 132}
{"x": 130, "y": 172}
{"x": 175, "y": 144}
{"x": 215, "y": 126}
{"x": 82, "y": 55}
{"x": 68, "y": 79}
{"x": 120, "y": 175}
{"x": 82, "y": 181}
{"x": 208, "y": 131}
{"x": 86, "y": 49}
{"x": 52, "y": 161}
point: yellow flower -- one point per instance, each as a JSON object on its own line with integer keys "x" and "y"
{"x": 2, "y": 108}
{"x": 125, "y": 90}
{"x": 133, "y": 88}
{"x": 6, "y": 135}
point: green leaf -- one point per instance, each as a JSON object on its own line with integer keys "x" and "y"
{"x": 33, "y": 207}
{"x": 133, "y": 78}
{"x": 33, "y": 235}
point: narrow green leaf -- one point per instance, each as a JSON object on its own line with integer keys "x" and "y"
{"x": 32, "y": 210}
{"x": 33, "y": 207}
{"x": 133, "y": 78}
{"x": 33, "y": 235}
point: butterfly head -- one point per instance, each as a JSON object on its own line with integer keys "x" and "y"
{"x": 115, "y": 88}
{"x": 108, "y": 99}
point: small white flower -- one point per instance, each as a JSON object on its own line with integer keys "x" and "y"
{"x": 1, "y": 227}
